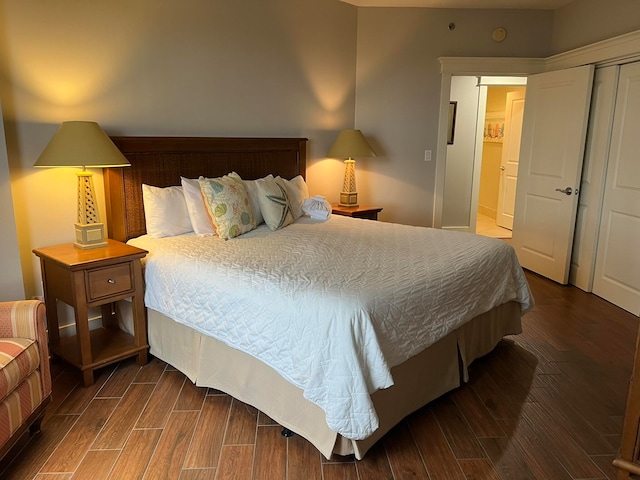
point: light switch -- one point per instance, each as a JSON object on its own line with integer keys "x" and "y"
{"x": 427, "y": 155}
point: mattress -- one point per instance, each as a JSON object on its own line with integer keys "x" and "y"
{"x": 332, "y": 306}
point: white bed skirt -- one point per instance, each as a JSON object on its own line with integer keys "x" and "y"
{"x": 440, "y": 368}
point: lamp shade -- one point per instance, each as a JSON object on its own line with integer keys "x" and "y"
{"x": 81, "y": 144}
{"x": 350, "y": 144}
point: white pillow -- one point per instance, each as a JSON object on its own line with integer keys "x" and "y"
{"x": 274, "y": 203}
{"x": 196, "y": 207}
{"x": 254, "y": 198}
{"x": 298, "y": 193}
{"x": 165, "y": 211}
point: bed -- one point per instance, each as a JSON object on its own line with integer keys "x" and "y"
{"x": 373, "y": 365}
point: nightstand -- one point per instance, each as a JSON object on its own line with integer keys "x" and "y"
{"x": 370, "y": 213}
{"x": 94, "y": 278}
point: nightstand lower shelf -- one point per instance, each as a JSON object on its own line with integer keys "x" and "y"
{"x": 107, "y": 346}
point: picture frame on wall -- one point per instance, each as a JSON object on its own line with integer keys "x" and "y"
{"x": 451, "y": 126}
{"x": 494, "y": 127}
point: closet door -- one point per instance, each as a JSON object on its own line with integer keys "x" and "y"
{"x": 585, "y": 240}
{"x": 617, "y": 271}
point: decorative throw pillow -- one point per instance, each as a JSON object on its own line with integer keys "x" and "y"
{"x": 196, "y": 207}
{"x": 274, "y": 203}
{"x": 298, "y": 193}
{"x": 254, "y": 198}
{"x": 165, "y": 211}
{"x": 228, "y": 205}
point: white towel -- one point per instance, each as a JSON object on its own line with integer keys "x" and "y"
{"x": 317, "y": 207}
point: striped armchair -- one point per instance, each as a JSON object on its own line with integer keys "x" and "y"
{"x": 25, "y": 377}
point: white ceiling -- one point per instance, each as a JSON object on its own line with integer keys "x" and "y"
{"x": 506, "y": 4}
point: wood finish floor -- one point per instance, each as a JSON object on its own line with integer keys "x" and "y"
{"x": 547, "y": 404}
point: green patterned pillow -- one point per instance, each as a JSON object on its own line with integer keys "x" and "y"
{"x": 227, "y": 205}
{"x": 275, "y": 204}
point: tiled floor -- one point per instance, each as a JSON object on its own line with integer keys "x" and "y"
{"x": 487, "y": 226}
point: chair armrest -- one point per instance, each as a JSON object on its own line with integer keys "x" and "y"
{"x": 26, "y": 319}
{"x": 22, "y": 319}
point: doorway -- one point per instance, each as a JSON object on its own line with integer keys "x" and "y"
{"x": 498, "y": 163}
{"x": 602, "y": 54}
{"x": 480, "y": 127}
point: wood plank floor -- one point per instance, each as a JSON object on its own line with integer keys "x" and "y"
{"x": 547, "y": 404}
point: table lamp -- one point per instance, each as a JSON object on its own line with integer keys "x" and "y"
{"x": 83, "y": 144}
{"x": 349, "y": 144}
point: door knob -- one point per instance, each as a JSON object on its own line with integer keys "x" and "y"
{"x": 502, "y": 168}
{"x": 566, "y": 191}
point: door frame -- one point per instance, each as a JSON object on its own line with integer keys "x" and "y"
{"x": 484, "y": 84}
{"x": 621, "y": 49}
{"x": 470, "y": 67}
{"x": 481, "y": 87}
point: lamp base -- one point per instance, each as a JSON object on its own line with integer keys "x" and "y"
{"x": 348, "y": 199}
{"x": 89, "y": 235}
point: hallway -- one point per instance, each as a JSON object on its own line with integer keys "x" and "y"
{"x": 487, "y": 226}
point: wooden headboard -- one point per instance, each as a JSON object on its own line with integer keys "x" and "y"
{"x": 160, "y": 161}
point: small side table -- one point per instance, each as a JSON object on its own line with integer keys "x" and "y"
{"x": 362, "y": 211}
{"x": 92, "y": 278}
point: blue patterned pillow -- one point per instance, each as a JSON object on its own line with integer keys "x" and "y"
{"x": 228, "y": 205}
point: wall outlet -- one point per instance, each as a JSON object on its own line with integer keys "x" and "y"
{"x": 427, "y": 155}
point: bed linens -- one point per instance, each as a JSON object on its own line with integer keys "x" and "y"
{"x": 332, "y": 306}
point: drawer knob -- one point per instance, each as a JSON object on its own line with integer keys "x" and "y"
{"x": 111, "y": 281}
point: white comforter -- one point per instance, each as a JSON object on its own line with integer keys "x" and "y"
{"x": 332, "y": 306}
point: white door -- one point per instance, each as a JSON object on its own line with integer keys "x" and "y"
{"x": 510, "y": 157}
{"x": 594, "y": 169}
{"x": 553, "y": 141}
{"x": 617, "y": 272}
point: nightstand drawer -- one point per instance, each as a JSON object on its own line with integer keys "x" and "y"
{"x": 104, "y": 282}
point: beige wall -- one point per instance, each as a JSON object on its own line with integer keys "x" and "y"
{"x": 489, "y": 179}
{"x": 583, "y": 22}
{"x": 11, "y": 284}
{"x": 398, "y": 91}
{"x": 398, "y": 81}
{"x": 158, "y": 67}
{"x": 257, "y": 67}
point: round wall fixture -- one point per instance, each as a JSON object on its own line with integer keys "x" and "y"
{"x": 499, "y": 34}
